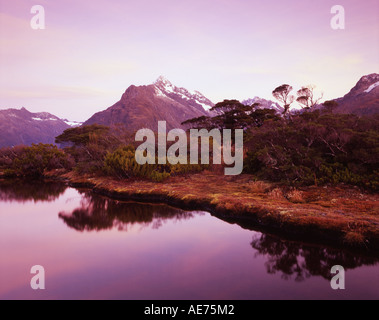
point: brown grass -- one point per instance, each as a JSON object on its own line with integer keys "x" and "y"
{"x": 354, "y": 238}
{"x": 276, "y": 194}
{"x": 295, "y": 196}
{"x": 259, "y": 186}
{"x": 334, "y": 211}
{"x": 355, "y": 234}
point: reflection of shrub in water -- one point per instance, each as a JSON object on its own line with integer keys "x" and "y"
{"x": 29, "y": 190}
{"x": 98, "y": 213}
{"x": 302, "y": 261}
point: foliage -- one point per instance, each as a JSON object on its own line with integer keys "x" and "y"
{"x": 283, "y": 95}
{"x": 316, "y": 148}
{"x": 231, "y": 114}
{"x": 306, "y": 97}
{"x": 33, "y": 161}
{"x": 122, "y": 164}
{"x": 89, "y": 145}
{"x": 81, "y": 135}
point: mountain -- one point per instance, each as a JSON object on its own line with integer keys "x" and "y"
{"x": 263, "y": 104}
{"x": 23, "y": 127}
{"x": 363, "y": 99}
{"x": 143, "y": 106}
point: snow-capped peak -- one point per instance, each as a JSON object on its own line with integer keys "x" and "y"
{"x": 165, "y": 88}
{"x": 164, "y": 84}
{"x": 163, "y": 80}
{"x": 263, "y": 103}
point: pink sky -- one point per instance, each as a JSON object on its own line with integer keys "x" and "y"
{"x": 91, "y": 51}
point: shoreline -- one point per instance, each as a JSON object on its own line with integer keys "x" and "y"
{"x": 350, "y": 220}
{"x": 339, "y": 217}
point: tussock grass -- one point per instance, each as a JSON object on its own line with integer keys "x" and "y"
{"x": 277, "y": 194}
{"x": 309, "y": 208}
{"x": 295, "y": 196}
{"x": 259, "y": 186}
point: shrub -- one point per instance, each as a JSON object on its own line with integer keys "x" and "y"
{"x": 314, "y": 148}
{"x": 35, "y": 160}
{"x": 259, "y": 186}
{"x": 122, "y": 164}
{"x": 276, "y": 194}
{"x": 295, "y": 196}
{"x": 89, "y": 145}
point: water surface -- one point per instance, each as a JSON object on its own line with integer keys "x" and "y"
{"x": 95, "y": 248}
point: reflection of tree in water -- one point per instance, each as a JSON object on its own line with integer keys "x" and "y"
{"x": 99, "y": 213}
{"x": 30, "y": 190}
{"x": 293, "y": 259}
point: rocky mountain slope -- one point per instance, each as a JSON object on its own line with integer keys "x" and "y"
{"x": 143, "y": 106}
{"x": 363, "y": 99}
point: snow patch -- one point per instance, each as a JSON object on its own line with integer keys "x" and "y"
{"x": 49, "y": 119}
{"x": 372, "y": 87}
{"x": 72, "y": 123}
{"x": 205, "y": 106}
{"x": 164, "y": 88}
{"x": 159, "y": 93}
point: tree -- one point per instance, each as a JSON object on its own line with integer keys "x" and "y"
{"x": 306, "y": 97}
{"x": 283, "y": 95}
{"x": 232, "y": 114}
{"x": 81, "y": 135}
{"x": 227, "y": 106}
{"x": 89, "y": 145}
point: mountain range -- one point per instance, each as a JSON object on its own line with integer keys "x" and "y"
{"x": 23, "y": 127}
{"x": 143, "y": 106}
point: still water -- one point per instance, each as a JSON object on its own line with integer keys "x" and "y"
{"x": 93, "y": 247}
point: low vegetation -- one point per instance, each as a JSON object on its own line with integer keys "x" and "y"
{"x": 314, "y": 148}
{"x": 34, "y": 161}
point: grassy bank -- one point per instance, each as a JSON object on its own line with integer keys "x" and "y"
{"x": 341, "y": 216}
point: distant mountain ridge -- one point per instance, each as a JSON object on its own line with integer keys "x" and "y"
{"x": 19, "y": 126}
{"x": 263, "y": 104}
{"x": 143, "y": 106}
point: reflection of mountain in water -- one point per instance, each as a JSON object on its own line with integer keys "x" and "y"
{"x": 99, "y": 213}
{"x": 26, "y": 190}
{"x": 301, "y": 261}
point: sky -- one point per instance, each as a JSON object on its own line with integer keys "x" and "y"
{"x": 90, "y": 52}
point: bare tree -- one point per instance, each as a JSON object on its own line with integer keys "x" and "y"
{"x": 283, "y": 95}
{"x": 306, "y": 97}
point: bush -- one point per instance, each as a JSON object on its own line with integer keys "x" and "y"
{"x": 313, "y": 148}
{"x": 35, "y": 160}
{"x": 123, "y": 165}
